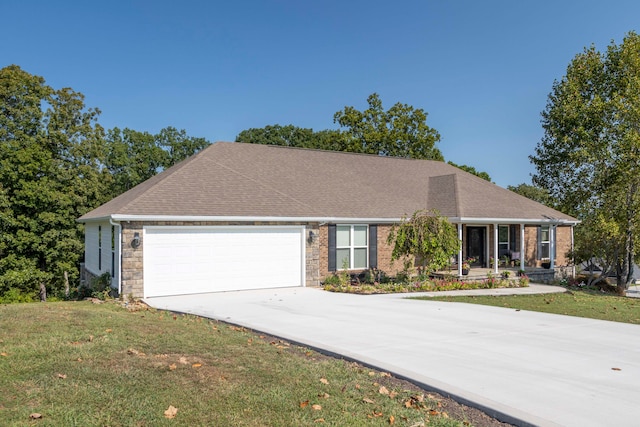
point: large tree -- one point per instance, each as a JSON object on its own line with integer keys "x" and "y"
{"x": 401, "y": 131}
{"x": 532, "y": 192}
{"x": 133, "y": 156}
{"x": 51, "y": 151}
{"x": 589, "y": 157}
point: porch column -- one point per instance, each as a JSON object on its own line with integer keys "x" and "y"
{"x": 552, "y": 246}
{"x": 495, "y": 249}
{"x": 522, "y": 247}
{"x": 460, "y": 250}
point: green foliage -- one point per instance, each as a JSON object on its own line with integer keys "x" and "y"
{"x": 293, "y": 136}
{"x": 532, "y": 192}
{"x": 428, "y": 237}
{"x": 472, "y": 170}
{"x": 589, "y": 157}
{"x": 50, "y": 174}
{"x": 14, "y": 295}
{"x": 133, "y": 157}
{"x": 56, "y": 164}
{"x": 401, "y": 131}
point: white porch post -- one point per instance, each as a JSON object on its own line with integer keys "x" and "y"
{"x": 552, "y": 246}
{"x": 495, "y": 248}
{"x": 521, "y": 246}
{"x": 460, "y": 250}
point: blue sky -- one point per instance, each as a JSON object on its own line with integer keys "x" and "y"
{"x": 482, "y": 70}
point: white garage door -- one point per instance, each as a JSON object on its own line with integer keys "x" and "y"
{"x": 188, "y": 260}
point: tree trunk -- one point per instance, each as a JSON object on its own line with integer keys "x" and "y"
{"x": 66, "y": 285}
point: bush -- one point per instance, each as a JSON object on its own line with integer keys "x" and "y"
{"x": 14, "y": 295}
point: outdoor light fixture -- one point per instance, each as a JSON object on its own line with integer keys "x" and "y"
{"x": 312, "y": 236}
{"x": 136, "y": 240}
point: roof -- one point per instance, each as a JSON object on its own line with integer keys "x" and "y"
{"x": 238, "y": 180}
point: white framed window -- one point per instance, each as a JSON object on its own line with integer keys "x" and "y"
{"x": 352, "y": 247}
{"x": 545, "y": 241}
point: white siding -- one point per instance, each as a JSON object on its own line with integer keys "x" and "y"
{"x": 99, "y": 252}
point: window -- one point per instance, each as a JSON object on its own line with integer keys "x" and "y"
{"x": 113, "y": 251}
{"x": 545, "y": 241}
{"x": 352, "y": 246}
{"x": 503, "y": 240}
{"x": 100, "y": 248}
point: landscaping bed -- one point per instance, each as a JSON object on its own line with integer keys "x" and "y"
{"x": 346, "y": 284}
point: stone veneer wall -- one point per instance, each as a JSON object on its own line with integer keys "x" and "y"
{"x": 132, "y": 281}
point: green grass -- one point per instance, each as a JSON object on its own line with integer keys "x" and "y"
{"x": 82, "y": 364}
{"x": 592, "y": 305}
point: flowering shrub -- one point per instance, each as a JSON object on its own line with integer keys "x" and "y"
{"x": 427, "y": 285}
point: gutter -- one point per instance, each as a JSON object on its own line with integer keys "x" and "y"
{"x": 334, "y": 220}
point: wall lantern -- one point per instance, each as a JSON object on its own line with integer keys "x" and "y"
{"x": 136, "y": 240}
{"x": 312, "y": 236}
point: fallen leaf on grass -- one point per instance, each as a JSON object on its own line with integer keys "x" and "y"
{"x": 3, "y": 354}
{"x": 324, "y": 381}
{"x": 304, "y": 404}
{"x": 62, "y": 376}
{"x": 183, "y": 360}
{"x": 383, "y": 390}
{"x": 385, "y": 374}
{"x": 392, "y": 419}
{"x": 433, "y": 412}
{"x": 323, "y": 395}
{"x": 196, "y": 365}
{"x": 171, "y": 412}
{"x": 393, "y": 394}
{"x": 367, "y": 400}
{"x": 319, "y": 420}
{"x": 316, "y": 407}
{"x": 172, "y": 367}
{"x": 35, "y": 416}
{"x": 109, "y": 330}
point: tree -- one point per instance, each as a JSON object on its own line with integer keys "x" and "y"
{"x": 589, "y": 157}
{"x": 51, "y": 152}
{"x": 293, "y": 136}
{"x": 472, "y": 170}
{"x": 427, "y": 237}
{"x": 402, "y": 131}
{"x": 532, "y": 192}
{"x": 134, "y": 157}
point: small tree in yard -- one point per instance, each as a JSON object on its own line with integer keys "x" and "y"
{"x": 428, "y": 237}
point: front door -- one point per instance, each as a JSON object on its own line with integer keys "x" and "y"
{"x": 476, "y": 243}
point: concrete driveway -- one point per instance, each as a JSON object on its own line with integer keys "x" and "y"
{"x": 528, "y": 368}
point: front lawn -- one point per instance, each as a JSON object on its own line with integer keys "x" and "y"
{"x": 84, "y": 364}
{"x": 589, "y": 304}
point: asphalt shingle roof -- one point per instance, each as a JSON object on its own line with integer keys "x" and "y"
{"x": 248, "y": 180}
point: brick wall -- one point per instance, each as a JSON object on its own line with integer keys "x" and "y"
{"x": 563, "y": 245}
{"x": 384, "y": 252}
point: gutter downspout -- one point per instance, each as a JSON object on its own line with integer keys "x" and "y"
{"x": 119, "y": 248}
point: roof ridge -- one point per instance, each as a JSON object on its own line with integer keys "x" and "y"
{"x": 160, "y": 177}
{"x": 321, "y": 150}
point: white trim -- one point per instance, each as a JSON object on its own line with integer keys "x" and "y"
{"x": 118, "y": 254}
{"x": 334, "y": 220}
{"x": 496, "y": 259}
{"x": 505, "y": 221}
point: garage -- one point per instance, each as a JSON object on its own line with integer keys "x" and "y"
{"x": 182, "y": 260}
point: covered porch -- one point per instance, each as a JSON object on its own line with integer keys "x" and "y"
{"x": 493, "y": 246}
